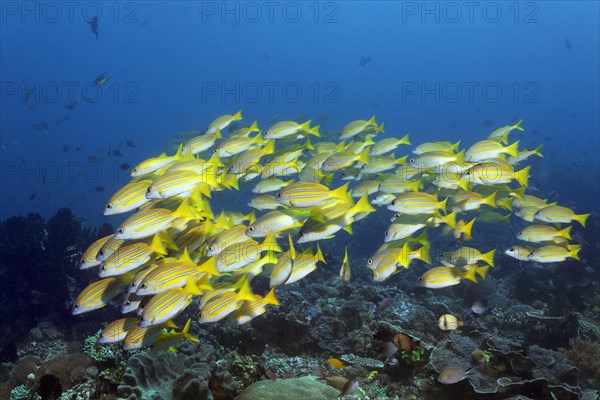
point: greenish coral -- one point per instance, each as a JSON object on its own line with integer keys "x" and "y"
{"x": 413, "y": 356}
{"x": 20, "y": 392}
{"x": 95, "y": 350}
{"x": 586, "y": 356}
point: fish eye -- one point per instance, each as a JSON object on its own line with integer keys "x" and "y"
{"x": 76, "y": 306}
{"x": 127, "y": 303}
{"x": 279, "y": 194}
{"x": 109, "y": 205}
{"x": 120, "y": 230}
{"x": 370, "y": 261}
{"x": 412, "y": 161}
{"x": 251, "y": 229}
{"x": 143, "y": 286}
{"x": 468, "y": 173}
{"x": 511, "y": 250}
{"x": 210, "y": 248}
{"x": 103, "y": 268}
{"x": 215, "y": 151}
{"x": 148, "y": 190}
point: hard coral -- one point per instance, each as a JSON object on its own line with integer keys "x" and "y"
{"x": 586, "y": 356}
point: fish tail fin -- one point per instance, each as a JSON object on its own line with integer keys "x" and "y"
{"x": 449, "y": 219}
{"x": 251, "y": 217}
{"x": 254, "y": 126}
{"x": 505, "y": 203}
{"x": 400, "y": 160}
{"x": 315, "y": 131}
{"x": 466, "y": 228}
{"x": 292, "y": 249}
{"x": 185, "y": 210}
{"x": 269, "y": 147}
{"x": 157, "y": 246}
{"x": 423, "y": 254}
{"x": 191, "y": 287}
{"x": 371, "y": 121}
{"x": 369, "y": 141}
{"x": 470, "y": 275}
{"x": 581, "y": 218}
{"x": 270, "y": 243}
{"x": 537, "y": 151}
{"x": 522, "y": 176}
{"x": 364, "y": 156}
{"x": 307, "y": 145}
{"x": 218, "y": 134}
{"x": 245, "y": 292}
{"x": 362, "y": 205}
{"x": 565, "y": 233}
{"x": 574, "y": 251}
{"x": 518, "y": 125}
{"x": 327, "y": 178}
{"x": 270, "y": 298}
{"x": 422, "y": 239}
{"x": 237, "y": 116}
{"x": 306, "y": 126}
{"x": 463, "y": 183}
{"x": 405, "y": 140}
{"x": 200, "y": 204}
{"x": 179, "y": 154}
{"x": 342, "y": 194}
{"x": 210, "y": 267}
{"x": 170, "y": 324}
{"x": 489, "y": 257}
{"x": 415, "y": 186}
{"x": 379, "y": 128}
{"x": 229, "y": 180}
{"x": 490, "y": 200}
{"x": 442, "y": 205}
{"x": 512, "y": 149}
{"x": 319, "y": 255}
{"x": 454, "y": 147}
{"x": 482, "y": 271}
{"x": 460, "y": 157}
{"x": 519, "y": 193}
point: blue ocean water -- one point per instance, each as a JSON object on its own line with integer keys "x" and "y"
{"x": 91, "y": 89}
{"x": 439, "y": 71}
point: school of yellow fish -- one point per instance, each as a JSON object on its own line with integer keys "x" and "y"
{"x": 173, "y": 250}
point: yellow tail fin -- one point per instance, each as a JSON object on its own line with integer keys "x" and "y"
{"x": 512, "y": 149}
{"x": 405, "y": 140}
{"x": 237, "y": 116}
{"x": 489, "y": 257}
{"x": 270, "y": 298}
{"x": 522, "y": 176}
{"x": 490, "y": 200}
{"x": 565, "y": 233}
{"x": 581, "y": 218}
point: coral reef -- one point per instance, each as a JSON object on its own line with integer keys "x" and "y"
{"x": 585, "y": 354}
{"x": 293, "y": 388}
{"x": 192, "y": 372}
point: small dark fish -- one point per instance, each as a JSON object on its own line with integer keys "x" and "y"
{"x": 78, "y": 148}
{"x": 480, "y": 306}
{"x": 547, "y": 138}
{"x": 535, "y": 132}
{"x": 70, "y": 106}
{"x": 94, "y": 159}
{"x": 568, "y": 44}
{"x": 101, "y": 79}
{"x": 454, "y": 375}
{"x": 385, "y": 303}
{"x": 388, "y": 349}
{"x": 350, "y": 387}
{"x": 94, "y": 25}
{"x": 488, "y": 122}
{"x": 66, "y": 147}
{"x": 130, "y": 143}
{"x": 364, "y": 61}
{"x": 99, "y": 188}
{"x": 62, "y": 120}
{"x": 270, "y": 374}
{"x": 117, "y": 153}
{"x": 32, "y": 196}
{"x": 125, "y": 166}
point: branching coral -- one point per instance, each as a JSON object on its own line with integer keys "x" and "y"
{"x": 586, "y": 356}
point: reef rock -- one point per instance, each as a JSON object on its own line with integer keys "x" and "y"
{"x": 192, "y": 373}
{"x": 305, "y": 388}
